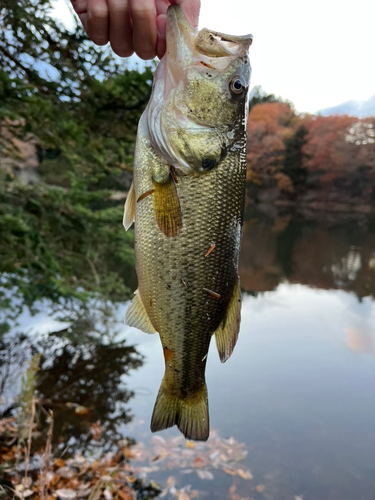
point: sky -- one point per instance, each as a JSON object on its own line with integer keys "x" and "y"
{"x": 316, "y": 54}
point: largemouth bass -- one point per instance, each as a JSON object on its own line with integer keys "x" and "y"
{"x": 187, "y": 200}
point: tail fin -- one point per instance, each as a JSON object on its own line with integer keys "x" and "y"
{"x": 189, "y": 414}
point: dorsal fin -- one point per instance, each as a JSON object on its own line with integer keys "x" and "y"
{"x": 136, "y": 315}
{"x": 226, "y": 334}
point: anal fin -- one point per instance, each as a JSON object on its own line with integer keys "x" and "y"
{"x": 226, "y": 334}
{"x": 136, "y": 316}
{"x": 129, "y": 211}
{"x": 167, "y": 206}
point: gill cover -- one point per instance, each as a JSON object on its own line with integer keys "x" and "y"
{"x": 193, "y": 115}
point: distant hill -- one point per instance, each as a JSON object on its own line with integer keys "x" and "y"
{"x": 354, "y": 108}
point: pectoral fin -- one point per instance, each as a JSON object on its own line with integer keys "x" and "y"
{"x": 129, "y": 212}
{"x": 136, "y": 315}
{"x": 227, "y": 332}
{"x": 167, "y": 206}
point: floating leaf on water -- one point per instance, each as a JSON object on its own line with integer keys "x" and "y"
{"x": 66, "y": 494}
{"x": 244, "y": 474}
{"x": 232, "y": 493}
{"x": 155, "y": 485}
{"x": 171, "y": 481}
{"x": 298, "y": 497}
{"x": 158, "y": 440}
{"x": 214, "y": 455}
{"x": 189, "y": 444}
{"x": 155, "y": 458}
{"x": 182, "y": 495}
{"x": 205, "y": 474}
{"x": 260, "y": 488}
{"x": 187, "y": 471}
{"x": 198, "y": 462}
{"x": 229, "y": 470}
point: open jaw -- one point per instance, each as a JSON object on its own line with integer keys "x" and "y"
{"x": 187, "y": 47}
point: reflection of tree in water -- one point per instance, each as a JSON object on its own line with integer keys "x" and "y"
{"x": 80, "y": 379}
{"x": 333, "y": 251}
{"x": 88, "y": 376}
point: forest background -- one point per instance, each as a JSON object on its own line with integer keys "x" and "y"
{"x": 68, "y": 122}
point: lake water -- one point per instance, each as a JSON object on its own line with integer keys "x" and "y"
{"x": 293, "y": 409}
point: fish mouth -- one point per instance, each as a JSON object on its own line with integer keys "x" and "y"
{"x": 187, "y": 46}
{"x": 205, "y": 41}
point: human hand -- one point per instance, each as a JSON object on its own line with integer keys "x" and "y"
{"x": 131, "y": 25}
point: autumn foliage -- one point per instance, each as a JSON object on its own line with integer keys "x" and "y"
{"x": 310, "y": 158}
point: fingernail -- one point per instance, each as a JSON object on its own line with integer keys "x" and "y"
{"x": 161, "y": 26}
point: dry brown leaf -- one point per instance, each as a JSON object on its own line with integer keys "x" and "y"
{"x": 65, "y": 472}
{"x": 81, "y": 410}
{"x": 182, "y": 495}
{"x": 198, "y": 462}
{"x": 59, "y": 462}
{"x": 124, "y": 495}
{"x": 205, "y": 474}
{"x": 233, "y": 494}
{"x": 171, "y": 481}
{"x": 95, "y": 465}
{"x": 229, "y": 470}
{"x": 244, "y": 474}
{"x": 55, "y": 480}
{"x": 107, "y": 494}
{"x": 66, "y": 494}
{"x": 27, "y": 482}
{"x": 260, "y": 488}
{"x": 84, "y": 493}
{"x": 127, "y": 452}
{"x": 96, "y": 430}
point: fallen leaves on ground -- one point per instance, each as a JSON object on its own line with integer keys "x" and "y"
{"x": 114, "y": 475}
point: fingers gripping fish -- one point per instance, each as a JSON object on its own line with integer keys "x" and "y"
{"x": 187, "y": 200}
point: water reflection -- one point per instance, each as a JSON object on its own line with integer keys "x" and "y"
{"x": 298, "y": 393}
{"x": 80, "y": 377}
{"x": 326, "y": 253}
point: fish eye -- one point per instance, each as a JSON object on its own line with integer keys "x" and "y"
{"x": 237, "y": 85}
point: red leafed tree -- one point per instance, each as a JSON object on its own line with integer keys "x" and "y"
{"x": 269, "y": 126}
{"x": 339, "y": 144}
